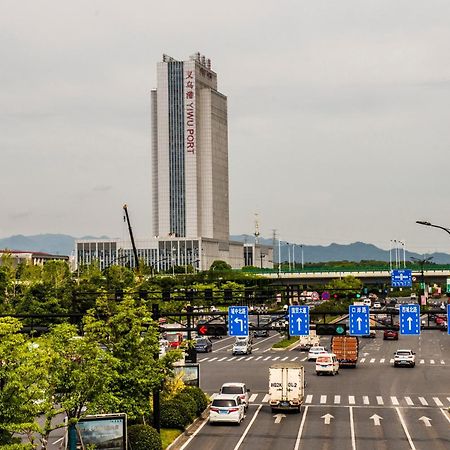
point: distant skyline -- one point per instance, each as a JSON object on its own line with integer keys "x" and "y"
{"x": 338, "y": 115}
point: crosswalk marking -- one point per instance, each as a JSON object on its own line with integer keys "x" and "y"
{"x": 365, "y": 399}
{"x": 274, "y": 359}
{"x": 305, "y": 358}
{"x": 394, "y": 401}
{"x": 337, "y": 399}
{"x": 284, "y": 359}
{"x": 221, "y": 359}
{"x": 323, "y": 399}
{"x": 249, "y": 358}
{"x": 252, "y": 398}
{"x": 362, "y": 360}
{"x": 382, "y": 360}
{"x": 437, "y": 401}
{"x": 372, "y": 360}
{"x": 212, "y": 359}
{"x": 423, "y": 401}
{"x": 442, "y": 361}
{"x": 431, "y": 361}
{"x": 203, "y": 359}
{"x": 256, "y": 349}
{"x": 351, "y": 399}
{"x": 409, "y": 401}
{"x": 380, "y": 400}
{"x": 422, "y": 361}
{"x": 308, "y": 398}
{"x": 266, "y": 398}
{"x": 293, "y": 359}
{"x": 391, "y": 361}
{"x": 232, "y": 358}
{"x": 266, "y": 358}
{"x": 259, "y": 357}
{"x": 241, "y": 358}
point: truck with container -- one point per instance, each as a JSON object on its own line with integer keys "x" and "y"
{"x": 346, "y": 349}
{"x": 286, "y": 386}
{"x": 311, "y": 340}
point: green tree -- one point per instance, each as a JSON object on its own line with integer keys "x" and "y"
{"x": 347, "y": 286}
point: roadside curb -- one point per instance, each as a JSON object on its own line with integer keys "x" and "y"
{"x": 289, "y": 347}
{"x": 189, "y": 431}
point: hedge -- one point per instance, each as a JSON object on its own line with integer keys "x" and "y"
{"x": 144, "y": 437}
{"x": 199, "y": 397}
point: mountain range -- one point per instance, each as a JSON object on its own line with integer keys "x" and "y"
{"x": 62, "y": 244}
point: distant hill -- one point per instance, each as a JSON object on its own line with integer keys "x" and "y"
{"x": 63, "y": 244}
{"x": 357, "y": 251}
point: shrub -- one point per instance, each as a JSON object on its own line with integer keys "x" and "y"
{"x": 184, "y": 400}
{"x": 199, "y": 397}
{"x": 144, "y": 437}
{"x": 174, "y": 415}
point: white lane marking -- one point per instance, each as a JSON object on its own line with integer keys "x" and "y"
{"x": 293, "y": 359}
{"x": 284, "y": 359}
{"x": 193, "y": 435}
{"x": 352, "y": 428}
{"x": 394, "y": 401}
{"x": 300, "y": 430}
{"x": 380, "y": 400}
{"x": 391, "y": 361}
{"x": 203, "y": 359}
{"x": 241, "y": 358}
{"x": 309, "y": 398}
{"x": 305, "y": 358}
{"x": 256, "y": 349}
{"x": 442, "y": 361}
{"x": 408, "y": 436}
{"x": 372, "y": 360}
{"x": 213, "y": 359}
{"x": 445, "y": 414}
{"x": 362, "y": 360}
{"x": 259, "y": 357}
{"x": 437, "y": 401}
{"x": 249, "y": 358}
{"x": 423, "y": 401}
{"x": 431, "y": 361}
{"x": 351, "y": 399}
{"x": 409, "y": 401}
{"x": 248, "y": 428}
{"x": 422, "y": 361}
{"x": 323, "y": 399}
{"x": 232, "y": 358}
{"x": 266, "y": 398}
{"x": 252, "y": 398}
{"x": 382, "y": 360}
{"x": 365, "y": 399}
{"x": 276, "y": 357}
{"x": 266, "y": 358}
{"x": 448, "y": 399}
{"x": 222, "y": 359}
{"x": 337, "y": 399}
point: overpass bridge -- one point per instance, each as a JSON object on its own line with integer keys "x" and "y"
{"x": 368, "y": 275}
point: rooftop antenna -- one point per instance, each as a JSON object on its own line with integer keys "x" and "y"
{"x": 256, "y": 233}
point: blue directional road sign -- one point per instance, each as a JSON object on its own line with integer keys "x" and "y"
{"x": 401, "y": 278}
{"x": 299, "y": 320}
{"x": 359, "y": 320}
{"x": 448, "y": 317}
{"x": 238, "y": 320}
{"x": 410, "y": 319}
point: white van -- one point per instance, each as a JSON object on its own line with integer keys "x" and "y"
{"x": 327, "y": 363}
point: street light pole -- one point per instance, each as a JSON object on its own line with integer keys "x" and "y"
{"x": 428, "y": 224}
{"x": 422, "y": 263}
{"x": 303, "y": 265}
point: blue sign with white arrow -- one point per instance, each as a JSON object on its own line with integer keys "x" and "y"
{"x": 238, "y": 321}
{"x": 401, "y": 278}
{"x": 298, "y": 320}
{"x": 410, "y": 319}
{"x": 359, "y": 320}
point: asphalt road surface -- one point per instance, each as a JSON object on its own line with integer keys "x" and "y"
{"x": 374, "y": 406}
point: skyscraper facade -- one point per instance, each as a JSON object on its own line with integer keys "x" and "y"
{"x": 189, "y": 151}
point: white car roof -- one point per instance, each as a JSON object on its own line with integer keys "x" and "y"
{"x": 233, "y": 384}
{"x": 317, "y": 348}
{"x": 226, "y": 397}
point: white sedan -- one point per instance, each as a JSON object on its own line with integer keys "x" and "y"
{"x": 315, "y": 351}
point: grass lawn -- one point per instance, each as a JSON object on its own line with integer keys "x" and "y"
{"x": 285, "y": 342}
{"x": 168, "y": 435}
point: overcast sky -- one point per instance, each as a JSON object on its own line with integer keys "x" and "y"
{"x": 339, "y": 114}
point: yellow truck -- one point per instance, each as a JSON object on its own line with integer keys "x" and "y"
{"x": 346, "y": 350}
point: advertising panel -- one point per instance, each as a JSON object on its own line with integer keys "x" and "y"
{"x": 105, "y": 432}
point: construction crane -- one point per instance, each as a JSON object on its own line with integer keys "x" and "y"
{"x": 127, "y": 218}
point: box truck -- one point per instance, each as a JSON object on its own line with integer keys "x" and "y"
{"x": 346, "y": 350}
{"x": 286, "y": 386}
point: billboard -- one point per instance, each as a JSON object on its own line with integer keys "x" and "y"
{"x": 105, "y": 431}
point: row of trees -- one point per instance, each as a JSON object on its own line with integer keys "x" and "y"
{"x": 112, "y": 366}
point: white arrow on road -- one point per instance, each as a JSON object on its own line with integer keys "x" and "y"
{"x": 327, "y": 418}
{"x": 426, "y": 421}
{"x": 278, "y": 417}
{"x": 376, "y": 419}
{"x": 409, "y": 320}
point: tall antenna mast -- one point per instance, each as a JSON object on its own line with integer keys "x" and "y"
{"x": 256, "y": 233}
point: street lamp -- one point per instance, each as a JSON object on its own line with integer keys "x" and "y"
{"x": 428, "y": 224}
{"x": 422, "y": 263}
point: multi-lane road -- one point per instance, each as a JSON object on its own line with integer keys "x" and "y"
{"x": 374, "y": 406}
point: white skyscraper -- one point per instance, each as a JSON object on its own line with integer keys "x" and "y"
{"x": 189, "y": 151}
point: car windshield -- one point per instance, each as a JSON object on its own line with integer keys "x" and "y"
{"x": 172, "y": 337}
{"x": 404, "y": 352}
{"x": 317, "y": 349}
{"x": 224, "y": 403}
{"x": 202, "y": 341}
{"x": 323, "y": 359}
{"x": 231, "y": 390}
